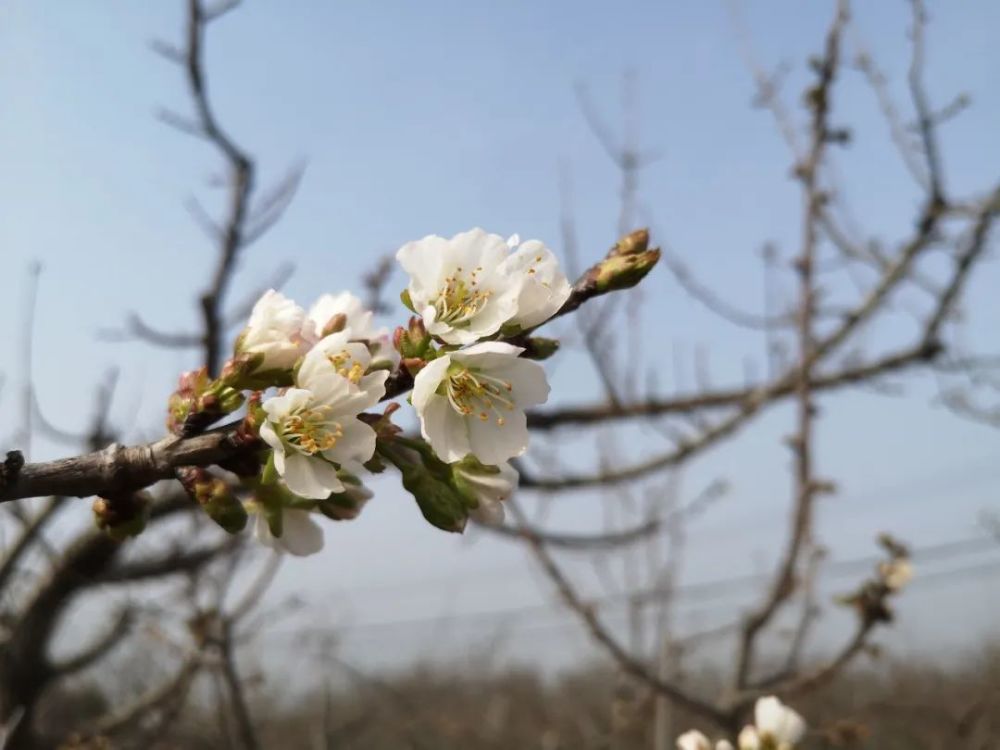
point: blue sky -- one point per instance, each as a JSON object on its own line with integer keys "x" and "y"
{"x": 417, "y": 118}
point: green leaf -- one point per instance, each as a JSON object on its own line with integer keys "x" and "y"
{"x": 404, "y": 296}
{"x": 269, "y": 474}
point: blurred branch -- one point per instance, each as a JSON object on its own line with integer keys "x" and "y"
{"x": 98, "y": 649}
{"x": 602, "y": 635}
{"x": 577, "y": 542}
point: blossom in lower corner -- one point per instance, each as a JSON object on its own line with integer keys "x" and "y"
{"x": 472, "y": 401}
{"x": 314, "y": 428}
{"x": 458, "y": 286}
{"x": 542, "y": 286}
{"x": 488, "y": 485}
{"x": 300, "y": 534}
{"x": 776, "y": 726}
{"x": 273, "y": 333}
{"x": 695, "y": 740}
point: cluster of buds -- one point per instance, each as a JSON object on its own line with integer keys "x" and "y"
{"x": 199, "y": 402}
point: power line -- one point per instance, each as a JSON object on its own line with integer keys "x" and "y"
{"x": 720, "y": 588}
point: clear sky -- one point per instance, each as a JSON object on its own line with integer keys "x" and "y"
{"x": 433, "y": 117}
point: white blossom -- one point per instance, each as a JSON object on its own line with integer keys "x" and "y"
{"x": 896, "y": 573}
{"x": 274, "y": 331}
{"x": 472, "y": 401}
{"x": 491, "y": 486}
{"x": 723, "y": 745}
{"x": 458, "y": 285}
{"x": 349, "y": 359}
{"x": 313, "y": 428}
{"x": 693, "y": 740}
{"x": 778, "y": 723}
{"x": 543, "y": 287}
{"x": 749, "y": 739}
{"x": 357, "y": 322}
{"x": 300, "y": 534}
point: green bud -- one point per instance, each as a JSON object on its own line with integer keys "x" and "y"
{"x": 623, "y": 271}
{"x": 440, "y": 503}
{"x": 215, "y": 497}
{"x": 630, "y": 244}
{"x": 122, "y": 517}
{"x": 412, "y": 341}
{"x": 538, "y": 347}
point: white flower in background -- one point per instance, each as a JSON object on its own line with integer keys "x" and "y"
{"x": 472, "y": 401}
{"x": 349, "y": 359}
{"x": 749, "y": 739}
{"x": 457, "y": 285}
{"x": 693, "y": 740}
{"x": 491, "y": 485}
{"x": 300, "y": 534}
{"x": 357, "y": 322}
{"x": 274, "y": 331}
{"x": 314, "y": 428}
{"x": 543, "y": 286}
{"x": 777, "y": 726}
{"x": 896, "y": 573}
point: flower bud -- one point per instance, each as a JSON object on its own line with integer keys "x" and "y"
{"x": 539, "y": 347}
{"x": 622, "y": 271}
{"x": 412, "y": 341}
{"x": 191, "y": 386}
{"x": 122, "y": 516}
{"x": 636, "y": 242}
{"x": 413, "y": 365}
{"x": 439, "y": 502}
{"x": 198, "y": 402}
{"x": 336, "y": 324}
{"x": 215, "y": 497}
{"x": 346, "y": 505}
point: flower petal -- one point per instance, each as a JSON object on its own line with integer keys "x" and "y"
{"x": 528, "y": 381}
{"x": 311, "y": 477}
{"x": 300, "y": 535}
{"x": 445, "y": 430}
{"x": 494, "y": 444}
{"x": 356, "y": 444}
{"x": 426, "y": 383}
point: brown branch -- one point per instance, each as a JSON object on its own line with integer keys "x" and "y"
{"x": 173, "y": 563}
{"x": 718, "y": 399}
{"x": 576, "y": 542}
{"x": 603, "y": 636}
{"x": 806, "y": 485}
{"x": 117, "y": 468}
{"x": 174, "y": 689}
{"x": 98, "y": 649}
{"x": 749, "y": 405}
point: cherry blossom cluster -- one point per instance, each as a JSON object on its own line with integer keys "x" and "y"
{"x": 308, "y": 378}
{"x": 775, "y": 727}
